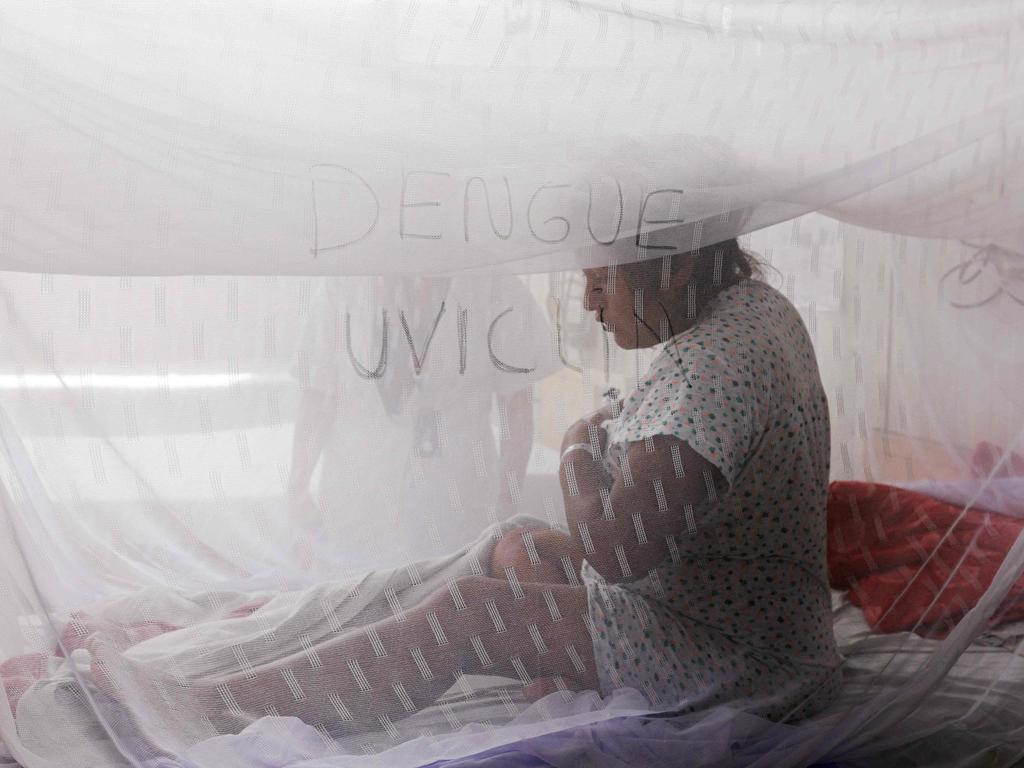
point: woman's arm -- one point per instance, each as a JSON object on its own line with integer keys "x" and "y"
{"x": 515, "y": 444}
{"x": 313, "y": 424}
{"x": 627, "y": 524}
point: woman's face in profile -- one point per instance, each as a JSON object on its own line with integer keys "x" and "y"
{"x": 613, "y": 303}
{"x": 640, "y": 318}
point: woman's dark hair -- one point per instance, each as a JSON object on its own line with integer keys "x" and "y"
{"x": 715, "y": 267}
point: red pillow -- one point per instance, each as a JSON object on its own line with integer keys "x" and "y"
{"x": 886, "y": 546}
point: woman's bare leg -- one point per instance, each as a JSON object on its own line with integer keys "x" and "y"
{"x": 394, "y": 667}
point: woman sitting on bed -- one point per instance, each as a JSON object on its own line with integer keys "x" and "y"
{"x": 693, "y": 569}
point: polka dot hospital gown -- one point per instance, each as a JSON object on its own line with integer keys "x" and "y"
{"x": 741, "y": 615}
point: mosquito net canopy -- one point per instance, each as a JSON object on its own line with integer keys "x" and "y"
{"x": 511, "y": 383}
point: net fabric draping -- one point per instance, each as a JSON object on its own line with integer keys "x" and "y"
{"x": 387, "y": 137}
{"x": 294, "y": 332}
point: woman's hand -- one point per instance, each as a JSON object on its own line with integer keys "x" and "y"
{"x": 580, "y": 431}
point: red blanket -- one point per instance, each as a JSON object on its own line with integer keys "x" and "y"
{"x": 886, "y": 546}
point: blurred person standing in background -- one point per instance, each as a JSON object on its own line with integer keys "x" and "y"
{"x": 420, "y": 364}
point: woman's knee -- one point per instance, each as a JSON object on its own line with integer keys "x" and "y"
{"x": 520, "y": 550}
{"x": 511, "y": 551}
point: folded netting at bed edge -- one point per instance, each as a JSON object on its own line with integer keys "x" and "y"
{"x": 407, "y": 383}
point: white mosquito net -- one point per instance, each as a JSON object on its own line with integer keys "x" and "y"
{"x": 511, "y": 383}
